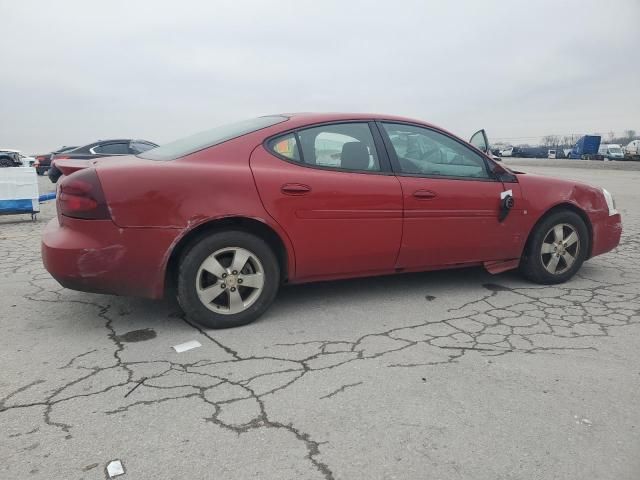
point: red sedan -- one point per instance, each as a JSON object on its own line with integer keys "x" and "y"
{"x": 224, "y": 217}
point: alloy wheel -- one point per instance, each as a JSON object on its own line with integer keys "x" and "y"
{"x": 560, "y": 248}
{"x": 230, "y": 280}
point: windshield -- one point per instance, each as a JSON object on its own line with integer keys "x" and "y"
{"x": 209, "y": 138}
{"x": 615, "y": 150}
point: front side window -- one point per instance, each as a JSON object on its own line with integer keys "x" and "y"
{"x": 346, "y": 146}
{"x": 421, "y": 151}
{"x": 112, "y": 149}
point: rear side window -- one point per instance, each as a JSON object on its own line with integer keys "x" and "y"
{"x": 286, "y": 146}
{"x": 112, "y": 148}
{"x": 343, "y": 146}
{"x": 209, "y": 138}
{"x": 347, "y": 146}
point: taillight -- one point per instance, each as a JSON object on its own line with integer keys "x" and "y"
{"x": 81, "y": 196}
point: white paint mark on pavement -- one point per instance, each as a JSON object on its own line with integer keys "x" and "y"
{"x": 115, "y": 468}
{"x": 183, "y": 347}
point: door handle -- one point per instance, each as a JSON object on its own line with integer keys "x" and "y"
{"x": 295, "y": 189}
{"x": 424, "y": 194}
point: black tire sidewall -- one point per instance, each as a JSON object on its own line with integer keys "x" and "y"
{"x": 194, "y": 256}
{"x": 533, "y": 267}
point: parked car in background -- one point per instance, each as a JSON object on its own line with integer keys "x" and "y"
{"x": 551, "y": 154}
{"x": 101, "y": 148}
{"x": 14, "y": 158}
{"x": 224, "y": 217}
{"x": 530, "y": 152}
{"x": 507, "y": 152}
{"x": 611, "y": 151}
{"x": 632, "y": 150}
{"x": 43, "y": 161}
{"x": 10, "y": 158}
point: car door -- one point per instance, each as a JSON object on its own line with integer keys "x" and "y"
{"x": 330, "y": 187}
{"x": 451, "y": 200}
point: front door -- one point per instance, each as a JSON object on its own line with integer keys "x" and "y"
{"x": 451, "y": 201}
{"x": 334, "y": 195}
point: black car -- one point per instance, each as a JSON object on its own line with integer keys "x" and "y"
{"x": 101, "y": 148}
{"x": 10, "y": 158}
{"x": 43, "y": 162}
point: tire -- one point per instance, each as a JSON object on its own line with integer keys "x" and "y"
{"x": 195, "y": 281}
{"x": 5, "y": 162}
{"x": 540, "y": 258}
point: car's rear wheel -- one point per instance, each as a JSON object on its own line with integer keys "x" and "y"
{"x": 227, "y": 279}
{"x": 557, "y": 248}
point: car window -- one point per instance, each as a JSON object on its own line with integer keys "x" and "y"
{"x": 139, "y": 147}
{"x": 112, "y": 148}
{"x": 347, "y": 146}
{"x": 421, "y": 151}
{"x": 287, "y": 146}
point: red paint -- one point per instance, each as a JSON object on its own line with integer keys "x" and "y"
{"x": 333, "y": 224}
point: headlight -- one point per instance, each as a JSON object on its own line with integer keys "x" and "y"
{"x": 611, "y": 203}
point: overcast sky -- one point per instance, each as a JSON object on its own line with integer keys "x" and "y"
{"x": 75, "y": 71}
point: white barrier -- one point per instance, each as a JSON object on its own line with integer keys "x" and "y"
{"x": 18, "y": 190}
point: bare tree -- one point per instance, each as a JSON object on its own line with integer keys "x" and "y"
{"x": 630, "y": 134}
{"x": 550, "y": 140}
{"x": 611, "y": 136}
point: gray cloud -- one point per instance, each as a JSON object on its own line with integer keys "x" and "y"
{"x": 75, "y": 71}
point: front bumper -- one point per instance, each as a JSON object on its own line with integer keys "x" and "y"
{"x": 606, "y": 233}
{"x": 98, "y": 256}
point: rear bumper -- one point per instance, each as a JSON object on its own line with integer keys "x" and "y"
{"x": 606, "y": 234}
{"x": 98, "y": 256}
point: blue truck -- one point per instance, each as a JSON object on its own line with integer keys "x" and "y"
{"x": 586, "y": 148}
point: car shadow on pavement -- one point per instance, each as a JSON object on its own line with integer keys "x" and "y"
{"x": 293, "y": 299}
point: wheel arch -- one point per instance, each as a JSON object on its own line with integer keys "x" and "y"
{"x": 557, "y": 208}
{"x": 250, "y": 225}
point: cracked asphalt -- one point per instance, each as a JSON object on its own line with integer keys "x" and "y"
{"x": 451, "y": 375}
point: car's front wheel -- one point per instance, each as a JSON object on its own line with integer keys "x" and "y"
{"x": 227, "y": 279}
{"x": 557, "y": 248}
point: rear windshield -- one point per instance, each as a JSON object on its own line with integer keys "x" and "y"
{"x": 209, "y": 138}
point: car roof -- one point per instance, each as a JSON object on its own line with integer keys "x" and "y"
{"x": 317, "y": 117}
{"x": 9, "y": 150}
{"x": 300, "y": 119}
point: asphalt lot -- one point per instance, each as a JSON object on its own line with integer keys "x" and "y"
{"x": 443, "y": 375}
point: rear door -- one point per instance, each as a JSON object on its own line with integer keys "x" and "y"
{"x": 451, "y": 201}
{"x": 330, "y": 187}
